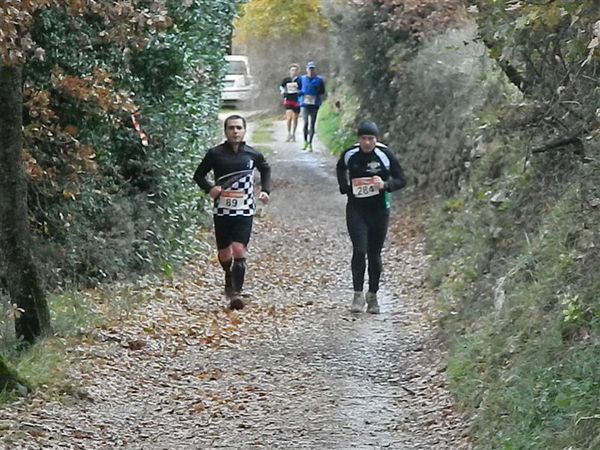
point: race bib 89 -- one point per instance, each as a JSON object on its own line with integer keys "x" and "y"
{"x": 232, "y": 200}
{"x": 364, "y": 187}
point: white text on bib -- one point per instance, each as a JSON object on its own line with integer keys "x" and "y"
{"x": 291, "y": 88}
{"x": 310, "y": 100}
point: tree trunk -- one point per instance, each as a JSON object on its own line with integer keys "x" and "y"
{"x": 24, "y": 284}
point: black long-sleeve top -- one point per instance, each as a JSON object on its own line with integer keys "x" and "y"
{"x": 355, "y": 168}
{"x": 223, "y": 161}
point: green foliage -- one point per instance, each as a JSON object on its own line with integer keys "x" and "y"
{"x": 276, "y": 19}
{"x": 336, "y": 128}
{"x": 41, "y": 365}
{"x": 516, "y": 285}
{"x": 453, "y": 205}
{"x": 551, "y": 51}
{"x": 103, "y": 205}
{"x": 184, "y": 121}
{"x": 45, "y": 364}
{"x": 573, "y": 310}
{"x": 538, "y": 393}
{"x": 9, "y": 379}
{"x": 263, "y": 134}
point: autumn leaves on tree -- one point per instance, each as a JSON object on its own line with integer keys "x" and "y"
{"x": 42, "y": 146}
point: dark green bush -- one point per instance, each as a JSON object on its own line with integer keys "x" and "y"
{"x": 126, "y": 207}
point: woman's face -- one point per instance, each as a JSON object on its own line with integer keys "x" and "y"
{"x": 367, "y": 142}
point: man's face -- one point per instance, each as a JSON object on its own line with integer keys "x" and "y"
{"x": 293, "y": 71}
{"x": 367, "y": 142}
{"x": 235, "y": 131}
{"x": 311, "y": 71}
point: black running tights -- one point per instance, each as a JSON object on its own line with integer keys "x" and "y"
{"x": 367, "y": 229}
{"x": 309, "y": 116}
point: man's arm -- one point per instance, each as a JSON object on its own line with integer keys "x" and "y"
{"x": 342, "y": 175}
{"x": 265, "y": 173}
{"x": 301, "y": 85}
{"x": 200, "y": 175}
{"x": 397, "y": 179}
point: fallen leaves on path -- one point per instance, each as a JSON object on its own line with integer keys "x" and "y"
{"x": 293, "y": 369}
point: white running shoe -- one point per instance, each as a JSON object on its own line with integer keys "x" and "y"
{"x": 358, "y": 302}
{"x": 372, "y": 304}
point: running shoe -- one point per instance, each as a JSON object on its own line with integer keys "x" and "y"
{"x": 358, "y": 302}
{"x": 306, "y": 144}
{"x": 236, "y": 302}
{"x": 372, "y": 303}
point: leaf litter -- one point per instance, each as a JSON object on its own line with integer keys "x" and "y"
{"x": 294, "y": 369}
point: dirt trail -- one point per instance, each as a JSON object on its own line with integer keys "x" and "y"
{"x": 294, "y": 370}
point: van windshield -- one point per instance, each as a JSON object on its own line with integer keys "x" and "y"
{"x": 236, "y": 68}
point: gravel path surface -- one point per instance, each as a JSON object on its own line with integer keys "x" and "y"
{"x": 293, "y": 370}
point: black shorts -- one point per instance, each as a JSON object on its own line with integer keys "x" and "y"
{"x": 232, "y": 229}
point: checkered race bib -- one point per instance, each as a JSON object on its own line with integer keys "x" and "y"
{"x": 238, "y": 199}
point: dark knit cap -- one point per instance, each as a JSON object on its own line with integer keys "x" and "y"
{"x": 368, "y": 128}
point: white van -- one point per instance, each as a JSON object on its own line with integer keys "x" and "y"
{"x": 238, "y": 84}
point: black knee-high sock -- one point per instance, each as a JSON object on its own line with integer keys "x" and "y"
{"x": 238, "y": 272}
{"x": 227, "y": 265}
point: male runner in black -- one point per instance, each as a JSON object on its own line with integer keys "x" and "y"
{"x": 367, "y": 173}
{"x": 233, "y": 163}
